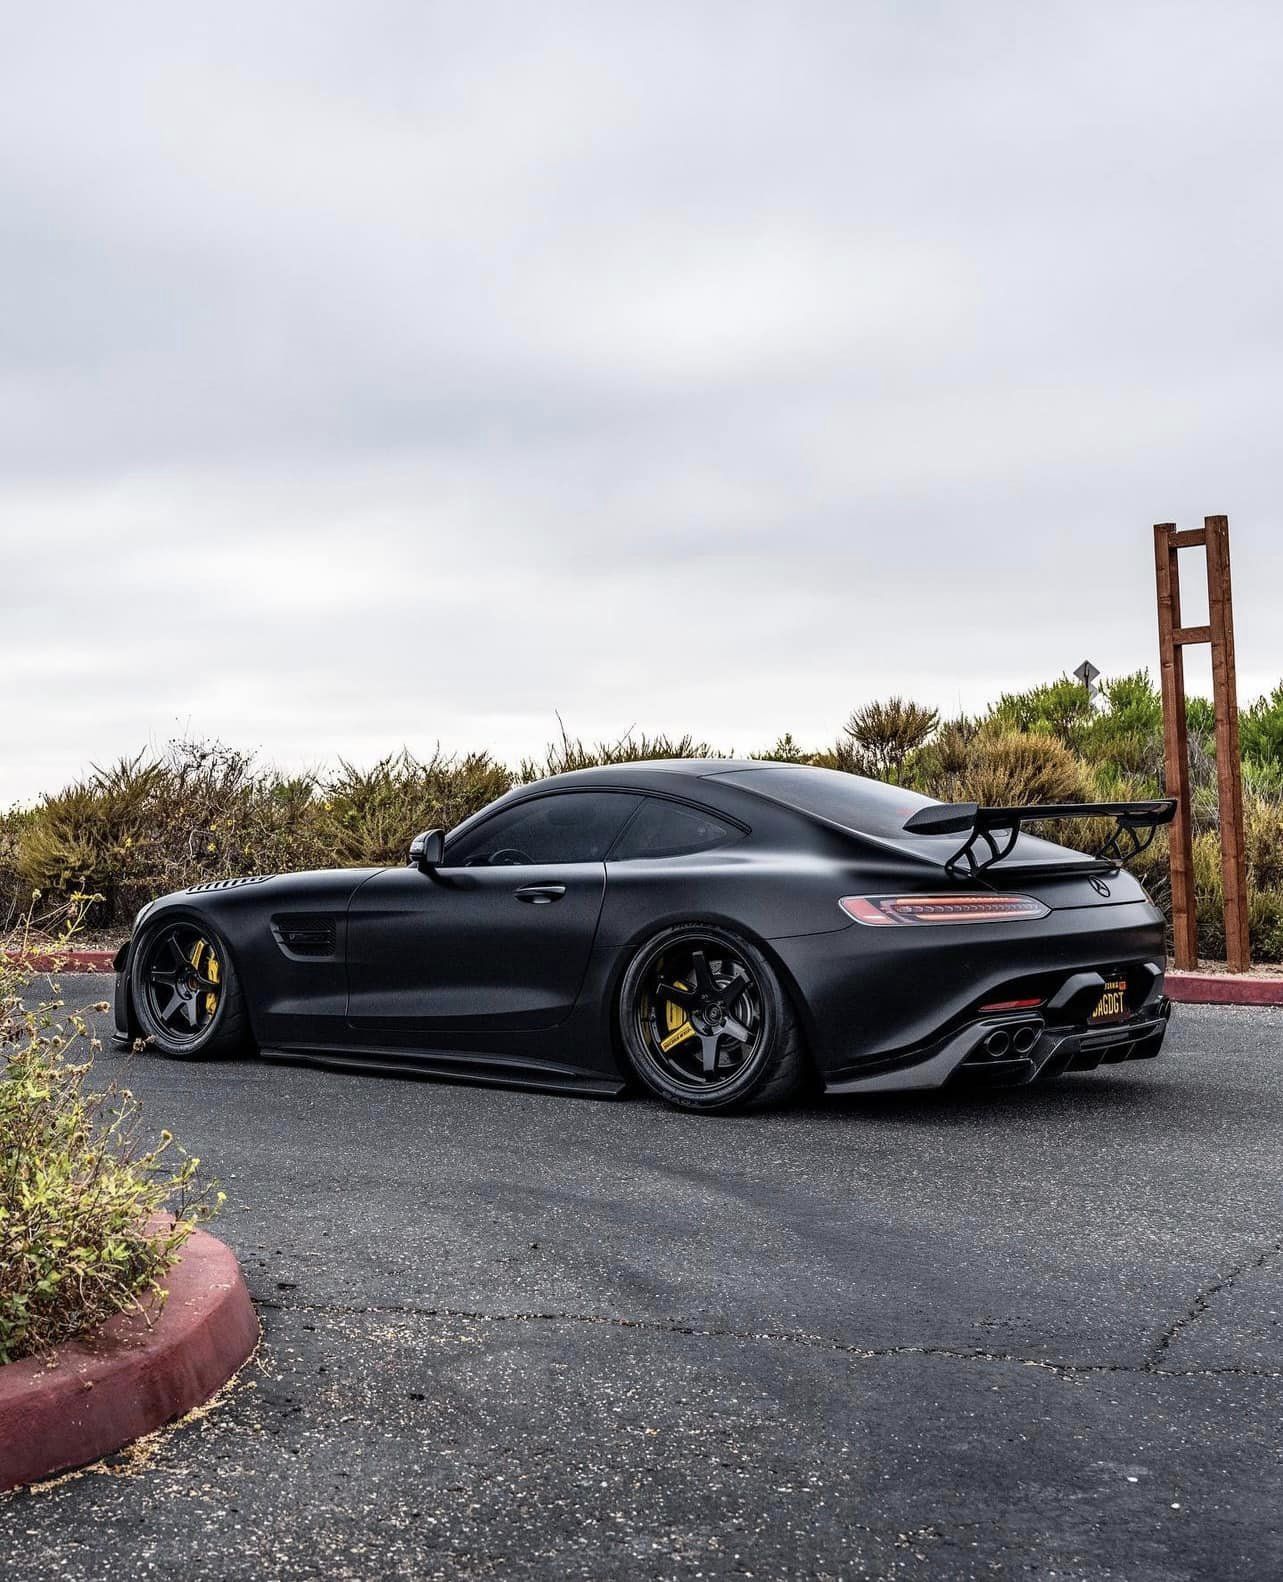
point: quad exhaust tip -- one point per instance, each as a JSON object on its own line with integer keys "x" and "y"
{"x": 1025, "y": 1039}
{"x": 1020, "y": 1040}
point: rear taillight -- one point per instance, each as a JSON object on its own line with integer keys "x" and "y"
{"x": 884, "y": 911}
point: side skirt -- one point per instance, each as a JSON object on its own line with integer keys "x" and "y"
{"x": 488, "y": 1070}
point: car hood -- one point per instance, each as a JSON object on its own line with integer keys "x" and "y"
{"x": 320, "y": 887}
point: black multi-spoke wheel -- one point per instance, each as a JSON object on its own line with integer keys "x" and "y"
{"x": 184, "y": 991}
{"x": 705, "y": 1022}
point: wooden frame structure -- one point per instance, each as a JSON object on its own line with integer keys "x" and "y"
{"x": 1173, "y": 639}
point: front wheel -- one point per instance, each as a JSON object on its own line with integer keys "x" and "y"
{"x": 185, "y": 995}
{"x": 706, "y": 1024}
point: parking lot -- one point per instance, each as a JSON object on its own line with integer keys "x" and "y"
{"x": 1027, "y": 1333}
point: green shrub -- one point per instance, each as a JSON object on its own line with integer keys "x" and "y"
{"x": 369, "y": 816}
{"x": 1133, "y": 703}
{"x": 945, "y": 760}
{"x": 14, "y": 896}
{"x": 213, "y": 813}
{"x": 844, "y": 755}
{"x": 1263, "y": 829}
{"x": 1209, "y": 895}
{"x": 1012, "y": 769}
{"x": 1265, "y": 924}
{"x": 1263, "y": 780}
{"x": 885, "y": 734}
{"x": 1007, "y": 768}
{"x": 1123, "y": 736}
{"x": 94, "y": 837}
{"x": 785, "y": 751}
{"x": 1261, "y": 730}
{"x": 79, "y": 1197}
{"x": 572, "y": 753}
{"x": 143, "y": 827}
{"x": 1060, "y": 708}
{"x": 1200, "y": 720}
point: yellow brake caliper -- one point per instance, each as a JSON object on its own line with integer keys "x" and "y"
{"x": 679, "y": 1027}
{"x": 211, "y": 972}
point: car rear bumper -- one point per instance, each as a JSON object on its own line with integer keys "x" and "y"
{"x": 964, "y": 1057}
{"x": 906, "y": 1007}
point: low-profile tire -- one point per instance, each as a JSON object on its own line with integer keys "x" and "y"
{"x": 706, "y": 1024}
{"x": 184, "y": 992}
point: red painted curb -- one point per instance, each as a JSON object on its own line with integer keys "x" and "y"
{"x": 67, "y": 961}
{"x": 1223, "y": 988}
{"x": 123, "y": 1380}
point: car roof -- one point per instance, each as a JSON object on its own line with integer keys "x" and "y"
{"x": 801, "y": 790}
{"x": 639, "y": 769}
{"x": 852, "y": 804}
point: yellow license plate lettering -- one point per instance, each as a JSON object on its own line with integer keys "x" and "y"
{"x": 1112, "y": 1005}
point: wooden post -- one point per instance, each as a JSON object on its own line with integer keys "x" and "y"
{"x": 1229, "y": 758}
{"x": 1173, "y": 639}
{"x": 1176, "y": 747}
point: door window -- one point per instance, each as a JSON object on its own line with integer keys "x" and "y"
{"x": 667, "y": 829}
{"x": 567, "y": 826}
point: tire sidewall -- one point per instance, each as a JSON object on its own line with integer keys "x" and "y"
{"x": 206, "y": 1043}
{"x": 741, "y": 1091}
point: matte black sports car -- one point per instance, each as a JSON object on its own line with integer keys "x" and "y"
{"x": 716, "y": 930}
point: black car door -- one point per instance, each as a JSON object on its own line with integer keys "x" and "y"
{"x": 499, "y": 936}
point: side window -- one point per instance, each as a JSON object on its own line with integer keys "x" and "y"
{"x": 568, "y": 826}
{"x": 666, "y": 829}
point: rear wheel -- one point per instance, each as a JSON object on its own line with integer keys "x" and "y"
{"x": 184, "y": 990}
{"x": 706, "y": 1024}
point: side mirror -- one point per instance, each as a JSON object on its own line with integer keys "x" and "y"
{"x": 427, "y": 851}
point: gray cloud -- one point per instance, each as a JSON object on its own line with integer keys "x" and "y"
{"x": 401, "y": 372}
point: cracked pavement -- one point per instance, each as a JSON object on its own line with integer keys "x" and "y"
{"x": 506, "y": 1335}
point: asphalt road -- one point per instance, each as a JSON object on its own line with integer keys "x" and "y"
{"x": 505, "y": 1335}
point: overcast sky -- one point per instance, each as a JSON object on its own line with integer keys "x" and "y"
{"x": 381, "y": 373}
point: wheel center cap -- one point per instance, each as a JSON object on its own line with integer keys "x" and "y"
{"x": 714, "y": 1013}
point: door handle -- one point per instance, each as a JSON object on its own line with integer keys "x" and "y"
{"x": 541, "y": 894}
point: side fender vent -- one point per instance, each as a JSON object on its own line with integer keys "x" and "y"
{"x": 311, "y": 935}
{"x": 228, "y": 884}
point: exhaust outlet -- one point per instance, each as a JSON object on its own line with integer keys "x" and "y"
{"x": 998, "y": 1043}
{"x": 1025, "y": 1040}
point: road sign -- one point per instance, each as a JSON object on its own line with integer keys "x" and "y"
{"x": 1087, "y": 673}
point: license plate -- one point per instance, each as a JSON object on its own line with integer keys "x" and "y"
{"x": 1112, "y": 1005}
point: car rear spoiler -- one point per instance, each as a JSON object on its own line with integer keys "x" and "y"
{"x": 997, "y": 829}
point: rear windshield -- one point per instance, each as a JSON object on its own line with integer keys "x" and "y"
{"x": 866, "y": 806}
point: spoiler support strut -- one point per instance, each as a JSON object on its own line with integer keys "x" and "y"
{"x": 992, "y": 832}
